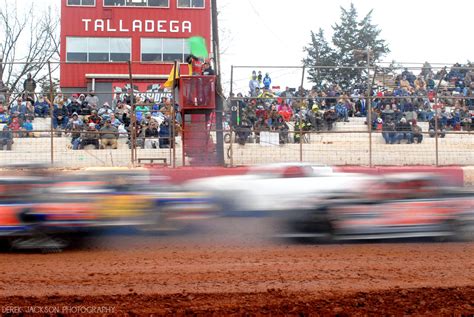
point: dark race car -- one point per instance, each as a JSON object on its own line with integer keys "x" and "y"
{"x": 392, "y": 207}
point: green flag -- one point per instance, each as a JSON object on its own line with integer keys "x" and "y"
{"x": 198, "y": 46}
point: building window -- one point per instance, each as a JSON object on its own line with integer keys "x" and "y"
{"x": 164, "y": 50}
{"x": 136, "y": 3}
{"x": 88, "y": 3}
{"x": 98, "y": 49}
{"x": 190, "y": 3}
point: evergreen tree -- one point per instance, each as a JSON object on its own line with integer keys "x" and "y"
{"x": 350, "y": 41}
{"x": 319, "y": 54}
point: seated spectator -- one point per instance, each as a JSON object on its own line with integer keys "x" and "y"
{"x": 330, "y": 117}
{"x": 15, "y": 125}
{"x": 282, "y": 128}
{"x": 6, "y": 139}
{"x": 90, "y": 137}
{"x": 108, "y": 136}
{"x": 18, "y": 109}
{"x": 30, "y": 111}
{"x": 416, "y": 132}
{"x": 405, "y": 84}
{"x": 59, "y": 98}
{"x": 378, "y": 124}
{"x": 75, "y": 126}
{"x": 420, "y": 84}
{"x": 104, "y": 112}
{"x": 42, "y": 107}
{"x": 117, "y": 99}
{"x": 341, "y": 110}
{"x": 436, "y": 123}
{"x": 389, "y": 131}
{"x": 425, "y": 113}
{"x": 60, "y": 116}
{"x": 285, "y": 112}
{"x": 4, "y": 117}
{"x": 387, "y": 113}
{"x": 404, "y": 131}
{"x": 260, "y": 126}
{"x": 152, "y": 132}
{"x": 315, "y": 118}
{"x": 74, "y": 106}
{"x": 27, "y": 128}
{"x": 94, "y": 118}
{"x": 114, "y": 121}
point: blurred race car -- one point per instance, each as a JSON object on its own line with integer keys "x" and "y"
{"x": 389, "y": 207}
{"x": 31, "y": 220}
{"x": 268, "y": 188}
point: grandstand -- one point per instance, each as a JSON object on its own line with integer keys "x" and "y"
{"x": 348, "y": 144}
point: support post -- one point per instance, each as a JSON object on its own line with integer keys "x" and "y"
{"x": 369, "y": 101}
{"x": 219, "y": 93}
{"x": 51, "y": 99}
{"x": 133, "y": 138}
{"x": 173, "y": 115}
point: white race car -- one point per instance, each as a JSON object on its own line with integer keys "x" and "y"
{"x": 274, "y": 187}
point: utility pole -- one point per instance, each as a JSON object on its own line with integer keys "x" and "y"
{"x": 219, "y": 93}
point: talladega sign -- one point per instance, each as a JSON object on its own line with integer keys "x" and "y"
{"x": 147, "y": 26}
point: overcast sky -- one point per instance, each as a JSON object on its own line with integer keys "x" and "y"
{"x": 274, "y": 32}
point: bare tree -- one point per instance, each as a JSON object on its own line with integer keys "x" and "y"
{"x": 31, "y": 39}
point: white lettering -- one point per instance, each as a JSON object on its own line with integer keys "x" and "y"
{"x": 86, "y": 24}
{"x": 186, "y": 27}
{"x": 137, "y": 26}
{"x": 160, "y": 26}
{"x": 99, "y": 25}
{"x": 149, "y": 26}
{"x": 174, "y": 26}
{"x": 122, "y": 29}
{"x": 109, "y": 28}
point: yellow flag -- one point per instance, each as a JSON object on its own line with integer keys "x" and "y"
{"x": 170, "y": 82}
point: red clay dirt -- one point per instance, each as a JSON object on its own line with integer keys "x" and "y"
{"x": 240, "y": 273}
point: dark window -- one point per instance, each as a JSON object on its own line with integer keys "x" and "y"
{"x": 89, "y": 3}
{"x": 151, "y": 57}
{"x": 98, "y": 57}
{"x": 77, "y": 57}
{"x": 190, "y": 3}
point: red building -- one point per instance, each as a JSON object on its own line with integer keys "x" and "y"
{"x": 99, "y": 37}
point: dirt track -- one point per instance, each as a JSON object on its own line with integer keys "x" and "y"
{"x": 232, "y": 270}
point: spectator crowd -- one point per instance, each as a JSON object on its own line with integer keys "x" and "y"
{"x": 396, "y": 111}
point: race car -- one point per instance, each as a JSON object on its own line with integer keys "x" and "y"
{"x": 267, "y": 188}
{"x": 388, "y": 207}
{"x": 31, "y": 220}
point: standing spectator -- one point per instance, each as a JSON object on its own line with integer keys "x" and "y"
{"x": 207, "y": 69}
{"x": 117, "y": 99}
{"x": 29, "y": 86}
{"x": 6, "y": 139}
{"x": 417, "y": 132}
{"x": 42, "y": 107}
{"x": 59, "y": 98}
{"x": 60, "y": 116}
{"x": 267, "y": 81}
{"x": 92, "y": 100}
{"x": 109, "y": 135}
{"x": 165, "y": 135}
{"x": 253, "y": 85}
